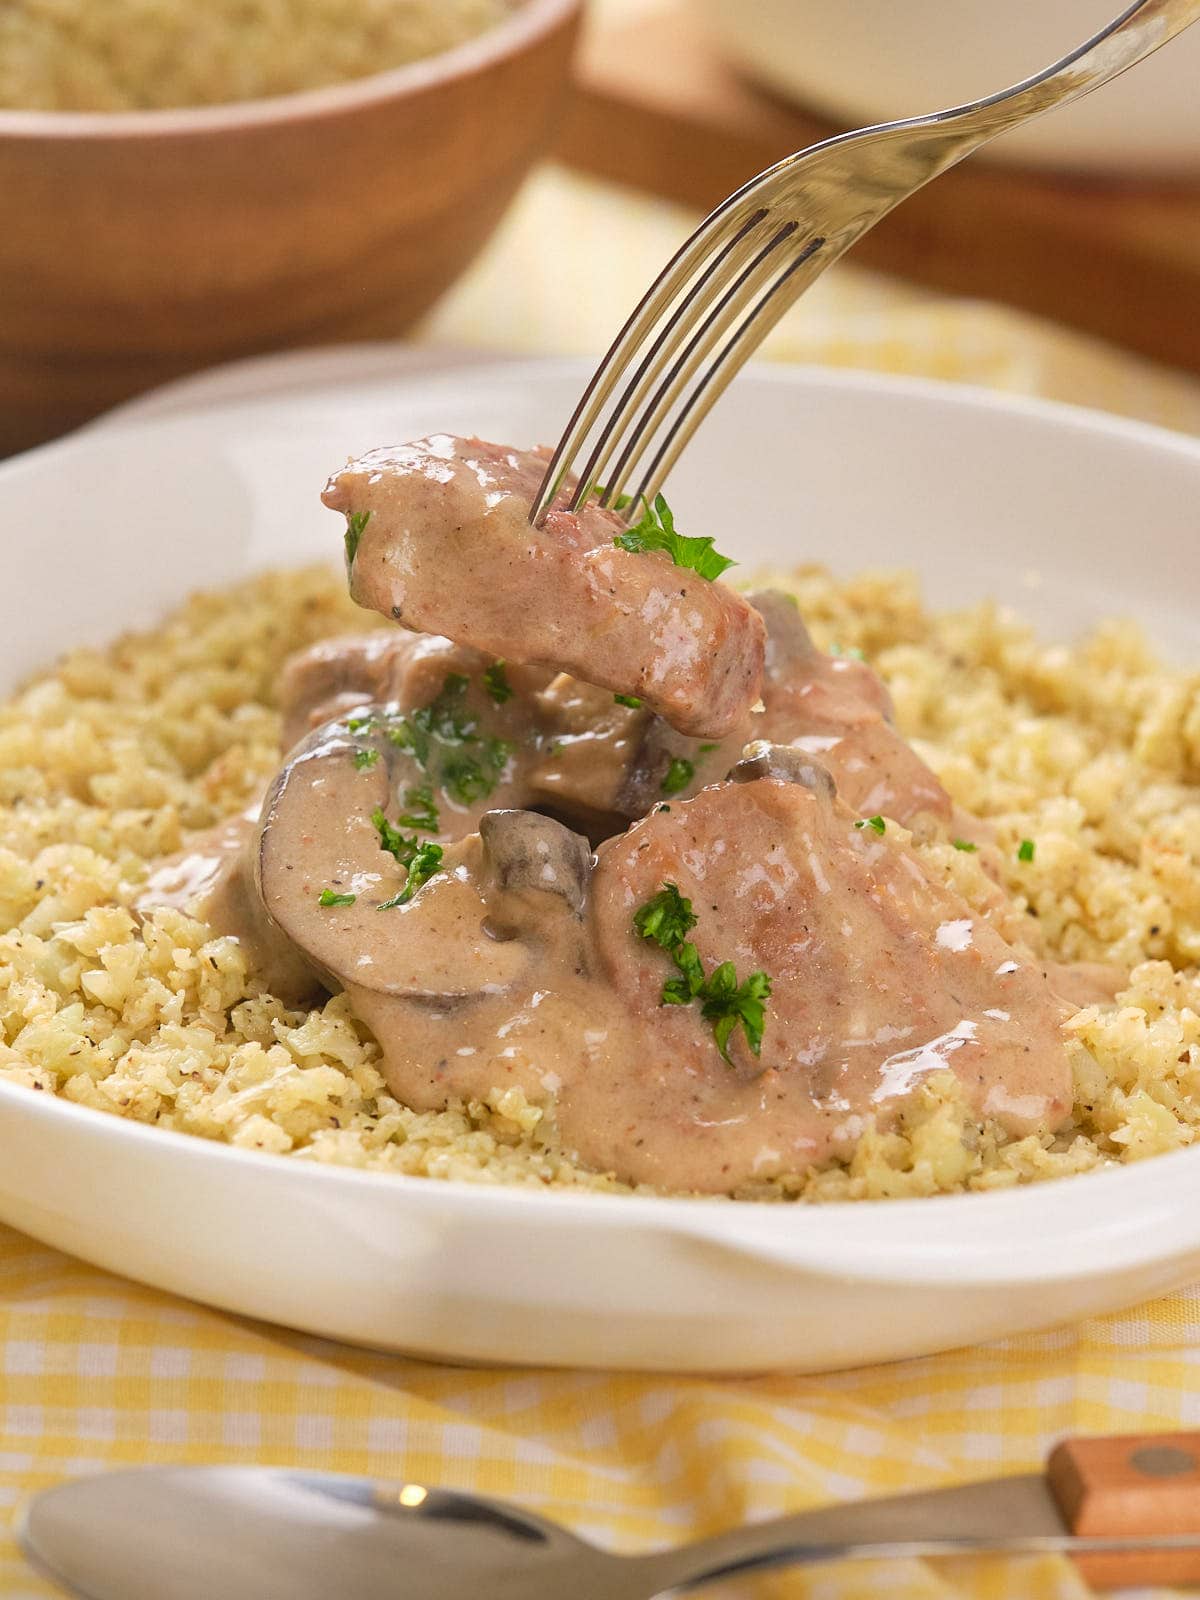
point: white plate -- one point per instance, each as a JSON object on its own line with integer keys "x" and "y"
{"x": 1067, "y": 515}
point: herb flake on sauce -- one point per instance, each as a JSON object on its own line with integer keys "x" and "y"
{"x": 473, "y": 764}
{"x": 392, "y": 840}
{"x": 356, "y": 522}
{"x": 679, "y": 774}
{"x": 666, "y": 919}
{"x": 495, "y": 681}
{"x": 656, "y": 531}
{"x": 422, "y": 813}
{"x": 427, "y": 858}
{"x": 330, "y": 897}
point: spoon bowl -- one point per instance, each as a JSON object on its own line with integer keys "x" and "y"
{"x": 189, "y": 1533}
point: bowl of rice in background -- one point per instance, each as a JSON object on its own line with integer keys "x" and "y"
{"x": 197, "y": 182}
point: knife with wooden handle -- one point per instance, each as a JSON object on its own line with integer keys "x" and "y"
{"x": 1126, "y": 1509}
{"x": 1139, "y": 1485}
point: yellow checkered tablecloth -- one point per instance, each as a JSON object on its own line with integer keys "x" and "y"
{"x": 96, "y": 1372}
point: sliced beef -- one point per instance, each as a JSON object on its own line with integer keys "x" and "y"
{"x": 878, "y": 977}
{"x": 441, "y": 542}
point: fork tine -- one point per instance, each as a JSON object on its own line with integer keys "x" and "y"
{"x": 662, "y": 292}
{"x": 738, "y": 212}
{"x": 690, "y": 307}
{"x": 710, "y": 330}
{"x": 783, "y": 293}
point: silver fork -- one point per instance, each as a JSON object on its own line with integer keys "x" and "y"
{"x": 755, "y": 255}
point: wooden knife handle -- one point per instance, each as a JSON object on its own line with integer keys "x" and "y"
{"x": 1114, "y": 1488}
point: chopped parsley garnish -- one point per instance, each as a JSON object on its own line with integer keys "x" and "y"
{"x": 362, "y": 723}
{"x": 726, "y": 1003}
{"x": 426, "y": 860}
{"x": 365, "y": 758}
{"x": 420, "y": 859}
{"x": 630, "y": 700}
{"x": 495, "y": 681}
{"x": 445, "y": 718}
{"x": 679, "y": 774}
{"x": 410, "y": 736}
{"x": 496, "y": 753}
{"x": 666, "y": 919}
{"x": 467, "y": 779}
{"x": 330, "y": 897}
{"x": 356, "y": 522}
{"x": 421, "y": 813}
{"x": 965, "y": 844}
{"x": 656, "y": 531}
{"x": 877, "y": 823}
{"x": 705, "y": 748}
{"x": 852, "y": 651}
{"x": 1026, "y": 849}
{"x": 392, "y": 840}
{"x": 472, "y": 767}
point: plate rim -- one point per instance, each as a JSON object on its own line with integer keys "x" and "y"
{"x": 754, "y": 1222}
{"x": 338, "y": 365}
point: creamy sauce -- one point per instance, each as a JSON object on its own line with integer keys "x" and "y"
{"x": 213, "y": 879}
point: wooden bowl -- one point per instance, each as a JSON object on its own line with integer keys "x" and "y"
{"x": 141, "y": 245}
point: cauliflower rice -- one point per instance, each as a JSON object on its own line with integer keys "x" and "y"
{"x": 111, "y": 760}
{"x": 148, "y": 55}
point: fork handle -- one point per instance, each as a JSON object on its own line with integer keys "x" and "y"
{"x": 1128, "y": 39}
{"x": 1142, "y": 1484}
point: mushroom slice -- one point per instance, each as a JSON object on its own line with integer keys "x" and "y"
{"x": 787, "y": 765}
{"x": 529, "y": 856}
{"x": 331, "y": 678}
{"x": 789, "y": 643}
{"x": 395, "y": 668}
{"x": 840, "y": 686}
{"x": 443, "y": 544}
{"x": 318, "y": 842}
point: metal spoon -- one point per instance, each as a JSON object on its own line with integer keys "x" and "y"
{"x": 259, "y": 1533}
